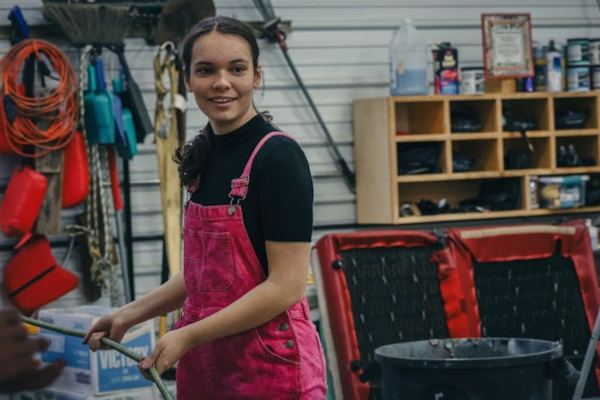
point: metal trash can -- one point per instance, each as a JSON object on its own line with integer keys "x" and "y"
{"x": 471, "y": 369}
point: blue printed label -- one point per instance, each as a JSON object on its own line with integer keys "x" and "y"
{"x": 67, "y": 348}
{"x": 118, "y": 372}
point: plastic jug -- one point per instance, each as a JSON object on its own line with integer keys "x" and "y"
{"x": 99, "y": 116}
{"x": 408, "y": 62}
{"x": 105, "y": 116}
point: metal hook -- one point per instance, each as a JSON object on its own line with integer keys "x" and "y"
{"x": 168, "y": 45}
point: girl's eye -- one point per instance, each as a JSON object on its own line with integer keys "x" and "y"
{"x": 203, "y": 71}
{"x": 238, "y": 69}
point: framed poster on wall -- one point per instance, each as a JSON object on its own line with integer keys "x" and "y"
{"x": 507, "y": 45}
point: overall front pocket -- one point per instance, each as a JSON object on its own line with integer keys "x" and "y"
{"x": 208, "y": 260}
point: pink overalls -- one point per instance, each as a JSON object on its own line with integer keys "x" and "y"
{"x": 279, "y": 360}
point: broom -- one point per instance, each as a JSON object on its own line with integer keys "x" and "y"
{"x": 95, "y": 24}
{"x": 102, "y": 25}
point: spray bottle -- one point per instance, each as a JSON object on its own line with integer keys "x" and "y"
{"x": 555, "y": 70}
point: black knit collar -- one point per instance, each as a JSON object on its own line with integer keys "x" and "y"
{"x": 251, "y": 131}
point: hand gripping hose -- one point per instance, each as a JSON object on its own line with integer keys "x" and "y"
{"x": 110, "y": 343}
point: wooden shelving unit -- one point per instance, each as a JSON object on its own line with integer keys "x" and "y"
{"x": 383, "y": 127}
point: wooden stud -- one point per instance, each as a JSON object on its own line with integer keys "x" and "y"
{"x": 49, "y": 217}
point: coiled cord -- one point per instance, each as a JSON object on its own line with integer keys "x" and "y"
{"x": 26, "y": 116}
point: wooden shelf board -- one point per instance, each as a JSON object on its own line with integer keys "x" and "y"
{"x": 490, "y": 96}
{"x": 473, "y": 136}
{"x": 422, "y": 178}
{"x": 546, "y": 211}
{"x": 523, "y": 96}
{"x": 474, "y": 175}
{"x": 523, "y": 172}
{"x": 577, "y": 132}
{"x": 576, "y": 170}
{"x": 436, "y": 137}
{"x": 574, "y": 94}
{"x": 493, "y": 214}
{"x": 512, "y": 173}
{"x": 448, "y": 177}
{"x": 472, "y": 97}
{"x": 461, "y": 216}
{"x": 418, "y": 99}
{"x": 531, "y": 134}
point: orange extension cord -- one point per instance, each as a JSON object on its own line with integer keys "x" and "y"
{"x": 60, "y": 106}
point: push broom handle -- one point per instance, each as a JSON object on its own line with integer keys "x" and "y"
{"x": 110, "y": 343}
{"x": 116, "y": 192}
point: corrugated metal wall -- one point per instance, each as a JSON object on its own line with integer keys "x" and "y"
{"x": 340, "y": 49}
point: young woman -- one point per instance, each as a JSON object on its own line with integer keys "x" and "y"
{"x": 244, "y": 331}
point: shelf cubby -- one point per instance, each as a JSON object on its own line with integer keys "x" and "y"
{"x": 483, "y": 109}
{"x": 419, "y": 155}
{"x": 586, "y": 147}
{"x": 409, "y": 117}
{"x": 484, "y": 153}
{"x": 578, "y": 102}
{"x": 521, "y": 109}
{"x": 541, "y": 157}
{"x": 452, "y": 191}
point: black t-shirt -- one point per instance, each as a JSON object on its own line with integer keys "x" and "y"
{"x": 278, "y": 206}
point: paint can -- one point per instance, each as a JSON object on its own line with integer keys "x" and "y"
{"x": 594, "y": 51}
{"x": 578, "y": 79}
{"x": 595, "y": 72}
{"x": 472, "y": 80}
{"x": 578, "y": 52}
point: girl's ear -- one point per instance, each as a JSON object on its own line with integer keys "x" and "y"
{"x": 258, "y": 76}
{"x": 186, "y": 79}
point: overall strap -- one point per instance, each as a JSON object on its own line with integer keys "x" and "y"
{"x": 239, "y": 186}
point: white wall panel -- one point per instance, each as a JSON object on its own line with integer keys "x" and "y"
{"x": 340, "y": 50}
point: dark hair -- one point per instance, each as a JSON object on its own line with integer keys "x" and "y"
{"x": 193, "y": 157}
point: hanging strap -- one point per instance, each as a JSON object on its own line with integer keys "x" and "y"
{"x": 239, "y": 186}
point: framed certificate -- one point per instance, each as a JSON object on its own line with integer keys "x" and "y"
{"x": 507, "y": 49}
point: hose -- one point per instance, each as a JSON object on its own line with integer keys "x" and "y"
{"x": 110, "y": 343}
{"x": 57, "y": 109}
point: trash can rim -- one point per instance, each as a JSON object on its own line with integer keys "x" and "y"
{"x": 546, "y": 355}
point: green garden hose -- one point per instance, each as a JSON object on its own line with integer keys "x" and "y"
{"x": 110, "y": 343}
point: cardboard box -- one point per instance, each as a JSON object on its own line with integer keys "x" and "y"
{"x": 151, "y": 393}
{"x": 93, "y": 373}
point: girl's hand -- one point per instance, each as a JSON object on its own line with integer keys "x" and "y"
{"x": 112, "y": 325}
{"x": 169, "y": 349}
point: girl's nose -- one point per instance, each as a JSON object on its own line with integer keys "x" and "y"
{"x": 221, "y": 80}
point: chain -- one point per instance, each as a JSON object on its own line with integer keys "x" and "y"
{"x": 105, "y": 202}
{"x": 101, "y": 258}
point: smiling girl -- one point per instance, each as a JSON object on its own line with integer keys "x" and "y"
{"x": 244, "y": 331}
